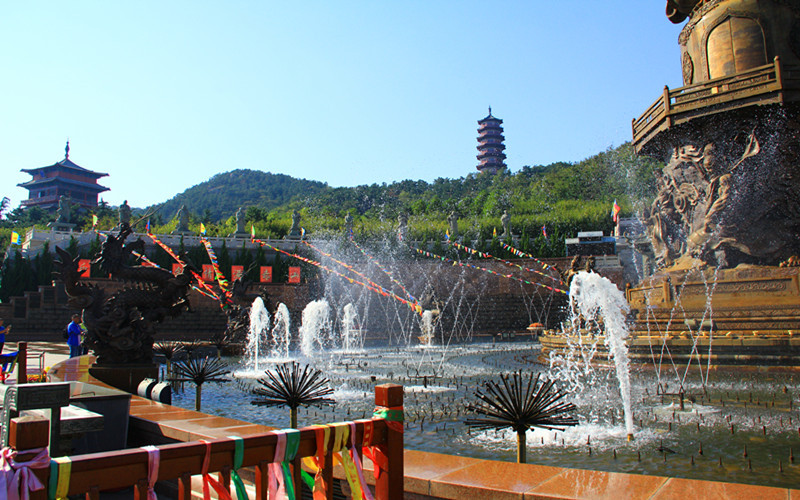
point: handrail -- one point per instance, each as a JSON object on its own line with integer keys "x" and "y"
{"x": 728, "y": 89}
{"x": 93, "y": 473}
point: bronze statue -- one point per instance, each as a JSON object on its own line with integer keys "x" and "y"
{"x": 121, "y": 327}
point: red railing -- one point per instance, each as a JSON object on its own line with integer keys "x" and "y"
{"x": 94, "y": 473}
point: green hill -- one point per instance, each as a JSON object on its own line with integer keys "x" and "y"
{"x": 221, "y": 196}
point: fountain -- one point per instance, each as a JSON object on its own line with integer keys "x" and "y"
{"x": 281, "y": 335}
{"x": 352, "y": 337}
{"x": 315, "y": 331}
{"x": 723, "y": 231}
{"x": 256, "y": 337}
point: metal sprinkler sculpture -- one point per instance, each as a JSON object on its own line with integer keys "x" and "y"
{"x": 518, "y": 405}
{"x": 293, "y": 386}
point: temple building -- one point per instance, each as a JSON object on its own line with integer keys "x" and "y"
{"x": 490, "y": 144}
{"x": 63, "y": 178}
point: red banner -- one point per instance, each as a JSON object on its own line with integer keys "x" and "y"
{"x": 294, "y": 274}
{"x": 176, "y": 268}
{"x": 266, "y": 274}
{"x": 85, "y": 268}
{"x": 236, "y": 272}
{"x": 208, "y": 272}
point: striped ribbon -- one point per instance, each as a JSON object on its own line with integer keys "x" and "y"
{"x": 238, "y": 458}
{"x": 60, "y": 470}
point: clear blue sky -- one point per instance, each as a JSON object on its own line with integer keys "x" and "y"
{"x": 162, "y": 95}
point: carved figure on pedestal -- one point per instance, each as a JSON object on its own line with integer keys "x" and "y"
{"x": 121, "y": 327}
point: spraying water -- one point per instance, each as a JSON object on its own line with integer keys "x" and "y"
{"x": 281, "y": 333}
{"x": 352, "y": 339}
{"x": 315, "y": 328}
{"x": 259, "y": 323}
{"x": 595, "y": 297}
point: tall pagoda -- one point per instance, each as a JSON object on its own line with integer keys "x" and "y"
{"x": 490, "y": 144}
{"x": 64, "y": 178}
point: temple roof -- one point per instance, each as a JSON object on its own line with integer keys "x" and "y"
{"x": 62, "y": 180}
{"x": 67, "y": 164}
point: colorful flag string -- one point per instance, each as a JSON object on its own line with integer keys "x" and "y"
{"x": 202, "y": 284}
{"x": 478, "y": 268}
{"x": 524, "y": 255}
{"x": 149, "y": 263}
{"x": 486, "y": 255}
{"x": 221, "y": 281}
{"x": 355, "y": 271}
{"x": 382, "y": 268}
{"x": 381, "y": 291}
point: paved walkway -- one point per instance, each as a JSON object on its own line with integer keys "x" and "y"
{"x": 54, "y": 352}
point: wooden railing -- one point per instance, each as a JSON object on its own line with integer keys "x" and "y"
{"x": 762, "y": 85}
{"x": 93, "y": 473}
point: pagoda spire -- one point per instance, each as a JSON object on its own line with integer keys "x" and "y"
{"x": 66, "y": 149}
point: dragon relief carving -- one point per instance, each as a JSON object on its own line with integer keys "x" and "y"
{"x": 121, "y": 327}
{"x": 689, "y": 216}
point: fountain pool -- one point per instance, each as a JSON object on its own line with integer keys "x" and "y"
{"x": 744, "y": 428}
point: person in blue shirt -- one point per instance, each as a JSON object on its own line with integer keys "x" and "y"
{"x": 3, "y": 330}
{"x": 74, "y": 336}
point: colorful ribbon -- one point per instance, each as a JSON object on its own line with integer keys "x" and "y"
{"x": 365, "y": 492}
{"x": 238, "y": 458}
{"x": 153, "y": 461}
{"x": 208, "y": 481}
{"x": 16, "y": 478}
{"x": 280, "y": 474}
{"x": 60, "y": 470}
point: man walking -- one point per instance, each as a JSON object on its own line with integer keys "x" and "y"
{"x": 74, "y": 336}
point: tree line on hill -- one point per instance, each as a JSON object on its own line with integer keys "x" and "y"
{"x": 561, "y": 198}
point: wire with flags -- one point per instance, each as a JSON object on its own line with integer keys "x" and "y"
{"x": 523, "y": 255}
{"x": 149, "y": 263}
{"x": 381, "y": 267}
{"x": 223, "y": 301}
{"x": 486, "y": 255}
{"x": 478, "y": 268}
{"x": 417, "y": 308}
{"x": 223, "y": 283}
{"x": 349, "y": 268}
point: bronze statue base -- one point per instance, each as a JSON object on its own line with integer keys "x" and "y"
{"x": 749, "y": 315}
{"x": 124, "y": 377}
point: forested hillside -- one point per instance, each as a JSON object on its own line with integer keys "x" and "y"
{"x": 219, "y": 197}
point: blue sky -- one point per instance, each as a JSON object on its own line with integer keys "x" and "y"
{"x": 163, "y": 95}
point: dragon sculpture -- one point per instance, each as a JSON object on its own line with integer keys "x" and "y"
{"x": 121, "y": 327}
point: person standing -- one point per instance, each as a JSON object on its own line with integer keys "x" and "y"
{"x": 74, "y": 336}
{"x": 3, "y": 330}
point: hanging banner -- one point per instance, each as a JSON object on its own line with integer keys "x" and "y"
{"x": 294, "y": 274}
{"x": 266, "y": 274}
{"x": 236, "y": 272}
{"x": 208, "y": 272}
{"x": 85, "y": 268}
{"x": 176, "y": 268}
